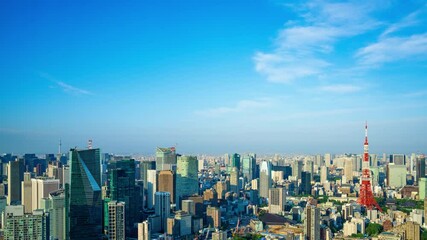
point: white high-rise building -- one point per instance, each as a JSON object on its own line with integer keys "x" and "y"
{"x": 151, "y": 187}
{"x": 41, "y": 187}
{"x": 327, "y": 159}
{"x": 265, "y": 178}
{"x": 323, "y": 174}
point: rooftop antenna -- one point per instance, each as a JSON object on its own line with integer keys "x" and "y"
{"x": 89, "y": 144}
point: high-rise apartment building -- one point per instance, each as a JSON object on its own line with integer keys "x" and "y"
{"x": 327, "y": 158}
{"x": 276, "y": 200}
{"x": 18, "y": 225}
{"x": 297, "y": 169}
{"x": 187, "y": 181}
{"x": 323, "y": 174}
{"x": 348, "y": 169}
{"x": 116, "y": 220}
{"x": 85, "y": 211}
{"x": 312, "y": 223}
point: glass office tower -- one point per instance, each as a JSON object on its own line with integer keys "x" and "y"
{"x": 85, "y": 204}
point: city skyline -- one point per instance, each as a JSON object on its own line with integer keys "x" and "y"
{"x": 213, "y": 77}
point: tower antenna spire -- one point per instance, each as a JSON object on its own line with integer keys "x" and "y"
{"x": 366, "y": 196}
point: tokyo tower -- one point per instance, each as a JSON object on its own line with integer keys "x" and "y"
{"x": 366, "y": 197}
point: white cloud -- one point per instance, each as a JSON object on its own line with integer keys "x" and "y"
{"x": 65, "y": 86}
{"x": 391, "y": 46}
{"x": 240, "y": 107}
{"x": 392, "y": 49}
{"x": 301, "y": 48}
{"x": 284, "y": 69}
{"x": 341, "y": 88}
{"x": 71, "y": 89}
{"x": 408, "y": 21}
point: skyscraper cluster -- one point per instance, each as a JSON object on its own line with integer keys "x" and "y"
{"x": 92, "y": 195}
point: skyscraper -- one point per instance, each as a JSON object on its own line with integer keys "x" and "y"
{"x": 187, "y": 181}
{"x": 85, "y": 204}
{"x": 15, "y": 175}
{"x": 276, "y": 200}
{"x": 420, "y": 167}
{"x": 348, "y": 170}
{"x": 235, "y": 161}
{"x": 248, "y": 168}
{"x": 323, "y": 174}
{"x": 162, "y": 208}
{"x": 152, "y": 187}
{"x": 312, "y": 222}
{"x": 234, "y": 180}
{"x": 55, "y": 206}
{"x": 296, "y": 169}
{"x": 166, "y": 183}
{"x": 144, "y": 166}
{"x": 165, "y": 158}
{"x": 121, "y": 179}
{"x": 116, "y": 220}
{"x": 265, "y": 178}
{"x": 306, "y": 183}
{"x": 41, "y": 187}
{"x": 309, "y": 167}
{"x": 27, "y": 193}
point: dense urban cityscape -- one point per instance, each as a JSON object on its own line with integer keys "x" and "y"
{"x": 87, "y": 194}
{"x": 213, "y": 119}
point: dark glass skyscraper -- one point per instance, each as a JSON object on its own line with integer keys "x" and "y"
{"x": 306, "y": 183}
{"x": 85, "y": 211}
{"x": 121, "y": 179}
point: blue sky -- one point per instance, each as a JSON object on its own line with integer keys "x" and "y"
{"x": 213, "y": 76}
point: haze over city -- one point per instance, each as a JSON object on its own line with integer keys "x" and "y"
{"x": 213, "y": 76}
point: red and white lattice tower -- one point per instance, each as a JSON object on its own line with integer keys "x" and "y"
{"x": 366, "y": 196}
